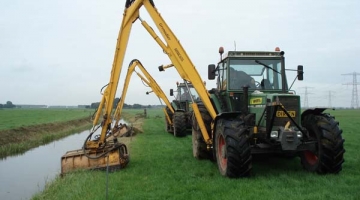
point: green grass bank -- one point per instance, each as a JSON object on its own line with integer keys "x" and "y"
{"x": 15, "y": 118}
{"x": 24, "y": 129}
{"x": 162, "y": 167}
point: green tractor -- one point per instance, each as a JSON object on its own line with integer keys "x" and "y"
{"x": 182, "y": 116}
{"x": 258, "y": 113}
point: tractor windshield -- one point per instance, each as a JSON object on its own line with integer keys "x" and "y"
{"x": 185, "y": 95}
{"x": 257, "y": 73}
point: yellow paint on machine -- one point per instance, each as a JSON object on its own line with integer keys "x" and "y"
{"x": 114, "y": 155}
{"x": 76, "y": 159}
{"x": 254, "y": 101}
{"x": 282, "y": 113}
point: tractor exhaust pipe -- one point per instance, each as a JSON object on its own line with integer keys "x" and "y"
{"x": 245, "y": 109}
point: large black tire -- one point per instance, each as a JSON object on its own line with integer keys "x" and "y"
{"x": 198, "y": 143}
{"x": 179, "y": 123}
{"x": 329, "y": 154}
{"x": 232, "y": 148}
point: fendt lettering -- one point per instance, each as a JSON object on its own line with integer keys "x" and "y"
{"x": 282, "y": 114}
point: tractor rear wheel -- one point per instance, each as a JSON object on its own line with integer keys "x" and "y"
{"x": 329, "y": 154}
{"x": 232, "y": 148}
{"x": 199, "y": 146}
{"x": 179, "y": 122}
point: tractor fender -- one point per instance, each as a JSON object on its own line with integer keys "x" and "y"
{"x": 314, "y": 111}
{"x": 224, "y": 115}
{"x": 179, "y": 110}
{"x": 174, "y": 104}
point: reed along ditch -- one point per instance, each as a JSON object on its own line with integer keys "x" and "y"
{"x": 24, "y": 175}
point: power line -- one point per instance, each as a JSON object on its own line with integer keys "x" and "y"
{"x": 354, "y": 97}
{"x": 306, "y": 100}
{"x": 329, "y": 102}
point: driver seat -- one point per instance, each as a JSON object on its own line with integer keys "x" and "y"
{"x": 265, "y": 84}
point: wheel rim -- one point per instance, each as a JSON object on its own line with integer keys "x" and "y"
{"x": 310, "y": 157}
{"x": 222, "y": 152}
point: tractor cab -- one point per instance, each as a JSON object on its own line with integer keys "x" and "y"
{"x": 260, "y": 70}
{"x": 247, "y": 79}
{"x": 185, "y": 94}
{"x": 182, "y": 104}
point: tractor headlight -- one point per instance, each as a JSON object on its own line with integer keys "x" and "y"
{"x": 274, "y": 134}
{"x": 299, "y": 134}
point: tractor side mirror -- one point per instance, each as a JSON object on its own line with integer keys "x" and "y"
{"x": 211, "y": 72}
{"x": 300, "y": 72}
{"x": 161, "y": 68}
{"x": 171, "y": 92}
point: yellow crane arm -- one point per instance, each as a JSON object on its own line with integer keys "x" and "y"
{"x": 155, "y": 87}
{"x": 148, "y": 79}
{"x": 177, "y": 54}
{"x": 117, "y": 152}
{"x": 129, "y": 17}
{"x": 171, "y": 47}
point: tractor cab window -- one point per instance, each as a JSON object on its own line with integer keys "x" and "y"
{"x": 183, "y": 94}
{"x": 222, "y": 80}
{"x": 258, "y": 74}
{"x": 194, "y": 94}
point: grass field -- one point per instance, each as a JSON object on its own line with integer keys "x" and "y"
{"x": 14, "y": 118}
{"x": 23, "y": 129}
{"x": 162, "y": 167}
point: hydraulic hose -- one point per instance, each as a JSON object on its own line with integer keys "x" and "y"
{"x": 116, "y": 146}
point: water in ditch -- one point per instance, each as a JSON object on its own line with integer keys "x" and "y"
{"x": 24, "y": 175}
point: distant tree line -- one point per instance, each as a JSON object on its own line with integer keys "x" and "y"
{"x": 8, "y": 104}
{"x": 116, "y": 101}
{"x": 94, "y": 105}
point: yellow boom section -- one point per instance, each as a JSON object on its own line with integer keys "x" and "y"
{"x": 96, "y": 149}
{"x": 148, "y": 79}
{"x": 176, "y": 53}
{"x": 110, "y": 92}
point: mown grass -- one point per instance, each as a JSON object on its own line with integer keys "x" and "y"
{"x": 162, "y": 167}
{"x": 14, "y": 118}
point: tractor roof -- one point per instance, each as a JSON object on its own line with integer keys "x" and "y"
{"x": 183, "y": 85}
{"x": 234, "y": 54}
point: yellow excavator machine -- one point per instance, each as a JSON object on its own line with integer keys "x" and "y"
{"x": 149, "y": 81}
{"x": 116, "y": 152}
{"x": 179, "y": 59}
{"x": 100, "y": 153}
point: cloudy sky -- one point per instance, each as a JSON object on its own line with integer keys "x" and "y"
{"x": 61, "y": 52}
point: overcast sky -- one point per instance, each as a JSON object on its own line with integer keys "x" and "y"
{"x": 61, "y": 52}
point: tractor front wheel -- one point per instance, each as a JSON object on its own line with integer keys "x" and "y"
{"x": 232, "y": 148}
{"x": 329, "y": 154}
